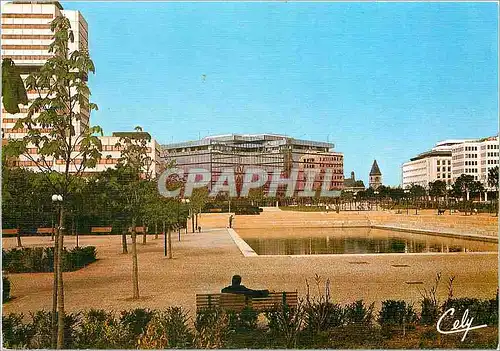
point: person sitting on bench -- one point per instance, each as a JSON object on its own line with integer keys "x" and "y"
{"x": 237, "y": 288}
{"x": 441, "y": 211}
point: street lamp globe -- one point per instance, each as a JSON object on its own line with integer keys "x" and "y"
{"x": 57, "y": 198}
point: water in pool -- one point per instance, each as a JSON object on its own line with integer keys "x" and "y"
{"x": 317, "y": 241}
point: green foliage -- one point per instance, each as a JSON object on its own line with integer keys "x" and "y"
{"x": 211, "y": 329}
{"x": 5, "y": 289}
{"x": 13, "y": 91}
{"x": 16, "y": 334}
{"x": 396, "y": 313}
{"x": 493, "y": 177}
{"x": 167, "y": 329}
{"x": 135, "y": 321}
{"x": 244, "y": 320}
{"x": 40, "y": 259}
{"x": 358, "y": 313}
{"x": 285, "y": 323}
{"x": 99, "y": 329}
{"x": 483, "y": 311}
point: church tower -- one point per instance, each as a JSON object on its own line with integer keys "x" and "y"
{"x": 375, "y": 176}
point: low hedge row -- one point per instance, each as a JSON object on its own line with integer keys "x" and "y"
{"x": 5, "y": 289}
{"x": 312, "y": 324}
{"x": 41, "y": 259}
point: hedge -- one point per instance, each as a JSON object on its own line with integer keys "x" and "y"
{"x": 41, "y": 259}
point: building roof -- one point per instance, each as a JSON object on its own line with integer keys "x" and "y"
{"x": 431, "y": 153}
{"x": 375, "y": 170}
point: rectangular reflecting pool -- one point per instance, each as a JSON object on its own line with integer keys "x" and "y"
{"x": 318, "y": 241}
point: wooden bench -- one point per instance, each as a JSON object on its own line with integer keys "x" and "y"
{"x": 238, "y": 302}
{"x": 101, "y": 229}
{"x": 45, "y": 230}
{"x": 14, "y": 231}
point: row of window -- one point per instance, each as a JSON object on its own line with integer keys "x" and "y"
{"x": 444, "y": 175}
{"x": 492, "y": 154}
{"x": 444, "y": 169}
{"x": 471, "y": 163}
{"x": 471, "y": 170}
{"x": 492, "y": 162}
{"x": 471, "y": 148}
{"x": 470, "y": 155}
{"x": 444, "y": 162}
{"x": 495, "y": 146}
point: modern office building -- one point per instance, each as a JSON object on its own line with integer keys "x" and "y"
{"x": 267, "y": 151}
{"x": 26, "y": 37}
{"x": 475, "y": 158}
{"x": 449, "y": 159}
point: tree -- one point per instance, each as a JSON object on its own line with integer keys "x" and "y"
{"x": 62, "y": 93}
{"x": 198, "y": 200}
{"x": 437, "y": 189}
{"x": 135, "y": 164}
{"x": 13, "y": 90}
{"x": 493, "y": 178}
{"x": 462, "y": 185}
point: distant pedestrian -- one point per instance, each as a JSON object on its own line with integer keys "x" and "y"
{"x": 199, "y": 229}
{"x": 230, "y": 221}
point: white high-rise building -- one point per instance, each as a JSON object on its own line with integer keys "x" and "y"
{"x": 26, "y": 37}
{"x": 475, "y": 158}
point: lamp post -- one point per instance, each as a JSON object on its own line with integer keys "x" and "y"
{"x": 407, "y": 191}
{"x": 187, "y": 201}
{"x": 376, "y": 199}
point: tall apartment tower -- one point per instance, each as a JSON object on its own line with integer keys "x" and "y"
{"x": 26, "y": 37}
{"x": 375, "y": 176}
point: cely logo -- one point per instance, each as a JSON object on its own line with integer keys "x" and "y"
{"x": 464, "y": 325}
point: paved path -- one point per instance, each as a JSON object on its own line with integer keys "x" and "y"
{"x": 205, "y": 263}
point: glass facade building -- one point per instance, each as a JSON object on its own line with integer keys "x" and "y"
{"x": 266, "y": 151}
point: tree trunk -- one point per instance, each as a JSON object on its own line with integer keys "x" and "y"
{"x": 144, "y": 234}
{"x": 60, "y": 284}
{"x": 76, "y": 232}
{"x": 54, "y": 292}
{"x": 169, "y": 243}
{"x": 124, "y": 242}
{"x": 192, "y": 221}
{"x": 19, "y": 244}
{"x": 135, "y": 269}
{"x": 164, "y": 240}
{"x": 196, "y": 221}
{"x": 156, "y": 230}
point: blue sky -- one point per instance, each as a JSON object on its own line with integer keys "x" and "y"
{"x": 382, "y": 81}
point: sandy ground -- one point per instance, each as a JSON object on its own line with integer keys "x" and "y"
{"x": 204, "y": 262}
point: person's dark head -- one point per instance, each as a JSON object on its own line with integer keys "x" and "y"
{"x": 236, "y": 280}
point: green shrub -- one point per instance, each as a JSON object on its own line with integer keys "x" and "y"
{"x": 16, "y": 334}
{"x": 286, "y": 322}
{"x": 396, "y": 313}
{"x": 211, "y": 329}
{"x": 244, "y": 320}
{"x": 135, "y": 322}
{"x": 41, "y": 331}
{"x": 5, "y": 289}
{"x": 99, "y": 329}
{"x": 39, "y": 259}
{"x": 429, "y": 311}
{"x": 167, "y": 329}
{"x": 358, "y": 313}
{"x": 483, "y": 311}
